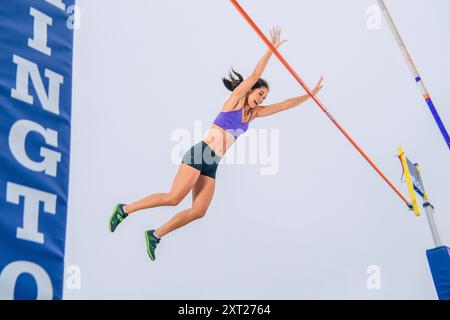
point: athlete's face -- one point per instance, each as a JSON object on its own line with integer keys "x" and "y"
{"x": 257, "y": 96}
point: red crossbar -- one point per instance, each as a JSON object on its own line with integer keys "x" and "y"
{"x": 303, "y": 84}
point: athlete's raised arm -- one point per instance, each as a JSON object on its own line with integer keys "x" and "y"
{"x": 264, "y": 111}
{"x": 242, "y": 89}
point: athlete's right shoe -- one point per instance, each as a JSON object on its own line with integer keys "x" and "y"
{"x": 117, "y": 216}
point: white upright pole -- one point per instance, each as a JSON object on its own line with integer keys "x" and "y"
{"x": 429, "y": 209}
{"x": 433, "y": 224}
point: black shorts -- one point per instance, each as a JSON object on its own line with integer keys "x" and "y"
{"x": 203, "y": 158}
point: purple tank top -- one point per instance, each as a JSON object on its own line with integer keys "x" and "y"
{"x": 231, "y": 121}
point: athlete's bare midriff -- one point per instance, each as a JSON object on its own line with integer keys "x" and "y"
{"x": 219, "y": 140}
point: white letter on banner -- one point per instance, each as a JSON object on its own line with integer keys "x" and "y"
{"x": 39, "y": 41}
{"x": 32, "y": 198}
{"x": 57, "y": 3}
{"x": 10, "y": 274}
{"x": 27, "y": 68}
{"x": 17, "y": 137}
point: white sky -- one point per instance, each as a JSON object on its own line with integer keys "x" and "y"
{"x": 145, "y": 69}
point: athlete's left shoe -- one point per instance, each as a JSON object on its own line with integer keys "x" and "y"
{"x": 117, "y": 216}
{"x": 152, "y": 241}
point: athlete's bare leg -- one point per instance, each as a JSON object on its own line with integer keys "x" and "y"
{"x": 183, "y": 182}
{"x": 202, "y": 194}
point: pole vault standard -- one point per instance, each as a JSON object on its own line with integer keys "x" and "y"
{"x": 303, "y": 84}
{"x": 415, "y": 72}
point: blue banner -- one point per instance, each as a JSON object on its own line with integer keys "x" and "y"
{"x": 36, "y": 41}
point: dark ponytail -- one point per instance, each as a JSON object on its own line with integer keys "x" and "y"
{"x": 231, "y": 83}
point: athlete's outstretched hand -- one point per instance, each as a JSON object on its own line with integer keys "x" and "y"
{"x": 275, "y": 37}
{"x": 318, "y": 86}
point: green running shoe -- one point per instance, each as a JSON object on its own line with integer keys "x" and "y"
{"x": 152, "y": 241}
{"x": 117, "y": 216}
